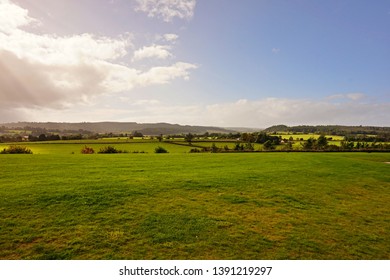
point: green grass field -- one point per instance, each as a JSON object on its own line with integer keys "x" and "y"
{"x": 74, "y": 147}
{"x": 59, "y": 205}
{"x": 297, "y": 137}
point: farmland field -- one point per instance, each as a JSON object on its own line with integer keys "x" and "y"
{"x": 59, "y": 205}
{"x": 74, "y": 147}
{"x": 307, "y": 136}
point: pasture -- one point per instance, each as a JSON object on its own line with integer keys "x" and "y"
{"x": 60, "y": 204}
{"x": 75, "y": 146}
{"x": 299, "y": 137}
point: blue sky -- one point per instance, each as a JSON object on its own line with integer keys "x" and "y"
{"x": 251, "y": 63}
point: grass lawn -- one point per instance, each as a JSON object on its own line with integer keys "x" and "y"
{"x": 194, "y": 206}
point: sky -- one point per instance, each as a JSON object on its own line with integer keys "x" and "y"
{"x": 228, "y": 63}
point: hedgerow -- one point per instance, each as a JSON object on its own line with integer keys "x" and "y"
{"x": 16, "y": 149}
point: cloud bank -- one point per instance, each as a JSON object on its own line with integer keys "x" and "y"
{"x": 46, "y": 70}
{"x": 260, "y": 113}
{"x": 270, "y": 111}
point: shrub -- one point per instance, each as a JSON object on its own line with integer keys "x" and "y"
{"x": 87, "y": 150}
{"x": 333, "y": 148}
{"x": 249, "y": 147}
{"x": 14, "y": 149}
{"x": 110, "y": 150}
{"x": 160, "y": 150}
{"x": 268, "y": 145}
{"x": 238, "y": 147}
{"x": 214, "y": 148}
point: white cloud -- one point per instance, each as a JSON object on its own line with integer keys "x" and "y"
{"x": 12, "y": 16}
{"x": 271, "y": 111}
{"x": 355, "y": 96}
{"x": 167, "y": 9}
{"x": 163, "y": 74}
{"x": 45, "y": 70}
{"x": 120, "y": 78}
{"x": 275, "y": 50}
{"x": 169, "y": 37}
{"x": 154, "y": 51}
{"x": 144, "y": 102}
{"x": 52, "y": 49}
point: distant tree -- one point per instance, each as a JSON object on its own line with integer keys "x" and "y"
{"x": 262, "y": 138}
{"x": 322, "y": 142}
{"x": 137, "y": 134}
{"x": 238, "y": 147}
{"x": 32, "y": 138}
{"x": 249, "y": 147}
{"x": 42, "y": 137}
{"x": 214, "y": 148}
{"x": 53, "y": 137}
{"x": 268, "y": 145}
{"x": 309, "y": 144}
{"x": 288, "y": 146}
{"x": 189, "y": 137}
{"x": 248, "y": 137}
{"x": 347, "y": 145}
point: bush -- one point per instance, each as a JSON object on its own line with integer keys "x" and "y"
{"x": 238, "y": 147}
{"x": 16, "y": 150}
{"x": 214, "y": 148}
{"x": 87, "y": 150}
{"x": 110, "y": 150}
{"x": 268, "y": 145}
{"x": 160, "y": 150}
{"x": 249, "y": 147}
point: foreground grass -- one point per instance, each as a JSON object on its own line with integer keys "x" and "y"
{"x": 195, "y": 206}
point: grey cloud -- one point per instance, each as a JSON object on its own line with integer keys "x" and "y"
{"x": 28, "y": 84}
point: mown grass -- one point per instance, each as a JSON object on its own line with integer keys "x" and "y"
{"x": 195, "y": 206}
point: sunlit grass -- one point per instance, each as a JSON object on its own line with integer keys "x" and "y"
{"x": 75, "y": 147}
{"x": 195, "y": 206}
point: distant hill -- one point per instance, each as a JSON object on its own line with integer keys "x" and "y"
{"x": 330, "y": 129}
{"x": 245, "y": 129}
{"x": 120, "y": 127}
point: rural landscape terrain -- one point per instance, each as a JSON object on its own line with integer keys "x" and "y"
{"x": 162, "y": 191}
{"x": 195, "y": 130}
